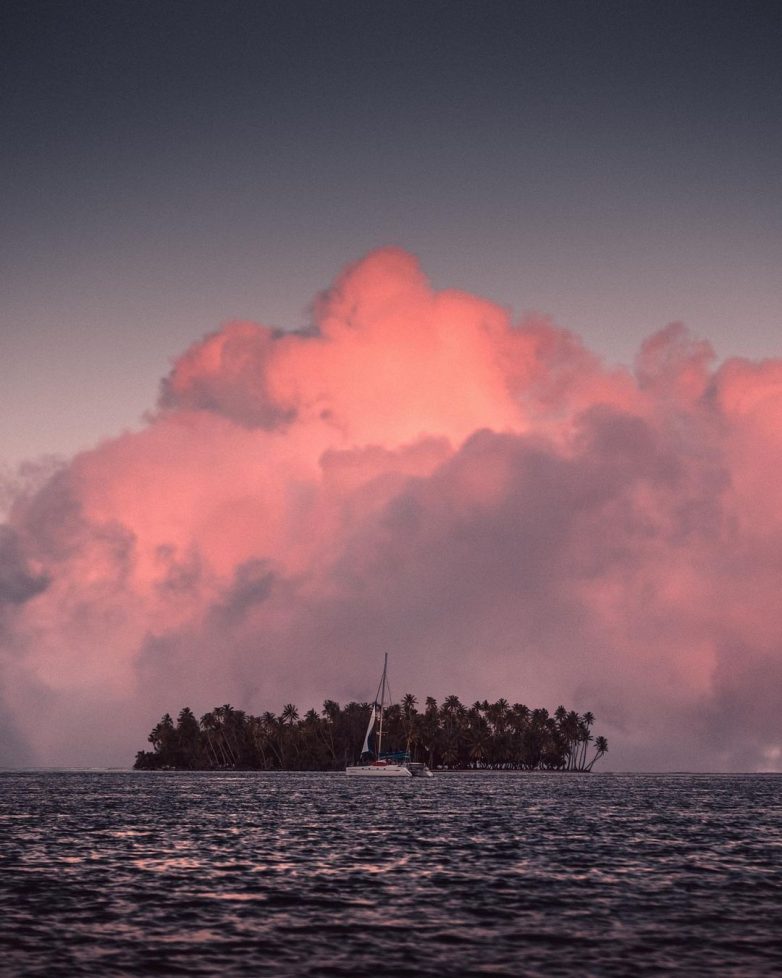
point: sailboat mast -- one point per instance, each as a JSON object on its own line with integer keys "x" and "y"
{"x": 382, "y": 700}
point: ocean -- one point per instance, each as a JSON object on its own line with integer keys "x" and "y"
{"x": 298, "y": 874}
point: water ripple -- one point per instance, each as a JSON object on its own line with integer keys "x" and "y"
{"x": 317, "y": 875}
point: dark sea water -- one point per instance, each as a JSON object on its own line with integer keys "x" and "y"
{"x": 315, "y": 874}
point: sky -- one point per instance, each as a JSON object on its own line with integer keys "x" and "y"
{"x": 444, "y": 329}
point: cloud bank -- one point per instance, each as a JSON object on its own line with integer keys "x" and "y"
{"x": 422, "y": 475}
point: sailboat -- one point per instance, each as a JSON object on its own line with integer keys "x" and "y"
{"x": 373, "y": 763}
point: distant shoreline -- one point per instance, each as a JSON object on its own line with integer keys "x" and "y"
{"x": 446, "y": 736}
{"x": 339, "y": 773}
{"x": 437, "y": 772}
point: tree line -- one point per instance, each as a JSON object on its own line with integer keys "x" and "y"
{"x": 491, "y": 736}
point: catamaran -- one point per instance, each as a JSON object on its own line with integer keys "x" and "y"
{"x": 373, "y": 763}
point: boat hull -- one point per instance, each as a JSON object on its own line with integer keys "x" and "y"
{"x": 378, "y": 771}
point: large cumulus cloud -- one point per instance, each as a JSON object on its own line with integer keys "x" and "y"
{"x": 417, "y": 473}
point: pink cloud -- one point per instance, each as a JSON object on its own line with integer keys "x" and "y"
{"x": 420, "y": 474}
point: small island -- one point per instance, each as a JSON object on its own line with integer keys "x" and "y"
{"x": 484, "y": 736}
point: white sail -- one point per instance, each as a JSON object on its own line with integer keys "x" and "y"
{"x": 370, "y": 728}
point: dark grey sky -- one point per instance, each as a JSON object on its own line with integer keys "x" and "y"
{"x": 169, "y": 165}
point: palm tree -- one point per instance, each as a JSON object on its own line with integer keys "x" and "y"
{"x": 211, "y": 727}
{"x": 331, "y": 710}
{"x": 289, "y": 714}
{"x": 478, "y": 738}
{"x": 569, "y": 728}
{"x": 157, "y": 733}
{"x": 227, "y": 733}
{"x": 586, "y": 737}
{"x": 410, "y": 715}
{"x": 497, "y": 715}
{"x": 430, "y": 728}
{"x": 188, "y": 739}
{"x": 409, "y": 704}
{"x": 332, "y": 714}
{"x": 271, "y": 726}
{"x": 601, "y": 747}
{"x": 256, "y": 732}
{"x": 520, "y": 715}
{"x": 451, "y": 705}
{"x": 288, "y": 738}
